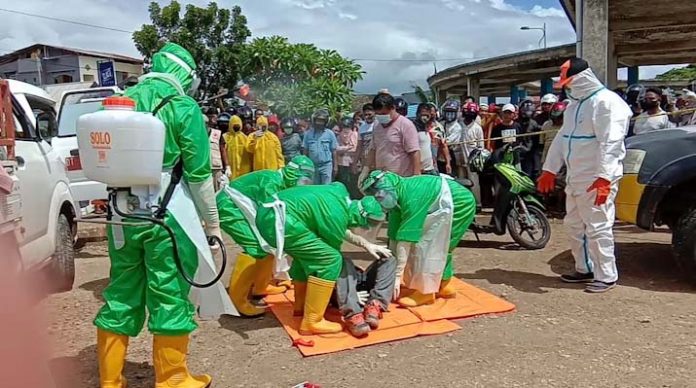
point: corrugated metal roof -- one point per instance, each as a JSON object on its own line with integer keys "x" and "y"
{"x": 119, "y": 57}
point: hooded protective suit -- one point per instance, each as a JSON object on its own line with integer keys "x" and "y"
{"x": 236, "y": 146}
{"x": 591, "y": 144}
{"x": 428, "y": 215}
{"x": 143, "y": 274}
{"x": 265, "y": 148}
{"x": 237, "y": 204}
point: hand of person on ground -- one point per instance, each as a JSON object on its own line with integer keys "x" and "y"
{"x": 603, "y": 188}
{"x": 363, "y": 296}
{"x": 546, "y": 182}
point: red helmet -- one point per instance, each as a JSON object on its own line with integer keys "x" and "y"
{"x": 557, "y": 109}
{"x": 470, "y": 107}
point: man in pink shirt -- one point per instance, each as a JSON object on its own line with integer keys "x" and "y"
{"x": 395, "y": 145}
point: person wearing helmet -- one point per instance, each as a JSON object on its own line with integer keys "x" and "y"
{"x": 320, "y": 145}
{"x": 531, "y": 147}
{"x": 236, "y": 146}
{"x": 653, "y": 118}
{"x": 345, "y": 152}
{"x": 247, "y": 115}
{"x": 547, "y": 102}
{"x": 264, "y": 146}
{"x": 453, "y": 135}
{"x": 317, "y": 221}
{"x": 237, "y": 203}
{"x": 472, "y": 138}
{"x": 291, "y": 142}
{"x": 401, "y": 106}
{"x": 428, "y": 215}
{"x": 143, "y": 273}
{"x": 591, "y": 146}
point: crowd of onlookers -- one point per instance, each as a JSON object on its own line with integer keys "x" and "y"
{"x": 435, "y": 140}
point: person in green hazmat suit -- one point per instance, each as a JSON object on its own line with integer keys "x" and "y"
{"x": 428, "y": 215}
{"x": 237, "y": 204}
{"x": 143, "y": 272}
{"x": 310, "y": 223}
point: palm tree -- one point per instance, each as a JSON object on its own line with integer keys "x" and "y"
{"x": 423, "y": 95}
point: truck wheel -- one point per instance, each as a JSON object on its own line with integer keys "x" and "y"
{"x": 62, "y": 268}
{"x": 684, "y": 243}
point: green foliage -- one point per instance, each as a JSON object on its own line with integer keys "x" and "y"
{"x": 684, "y": 73}
{"x": 296, "y": 79}
{"x": 424, "y": 96}
{"x": 213, "y": 35}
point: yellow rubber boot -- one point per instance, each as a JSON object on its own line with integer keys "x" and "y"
{"x": 300, "y": 293}
{"x": 240, "y": 284}
{"x": 263, "y": 274}
{"x": 317, "y": 298}
{"x": 416, "y": 299}
{"x": 169, "y": 357}
{"x": 447, "y": 290}
{"x": 111, "y": 351}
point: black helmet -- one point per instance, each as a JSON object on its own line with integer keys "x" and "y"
{"x": 346, "y": 122}
{"x": 450, "y": 110}
{"x": 245, "y": 113}
{"x": 478, "y": 159}
{"x": 288, "y": 123}
{"x": 634, "y": 93}
{"x": 223, "y": 121}
{"x": 401, "y": 106}
{"x": 231, "y": 110}
{"x": 321, "y": 114}
{"x": 527, "y": 109}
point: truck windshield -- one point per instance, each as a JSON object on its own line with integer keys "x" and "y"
{"x": 75, "y": 105}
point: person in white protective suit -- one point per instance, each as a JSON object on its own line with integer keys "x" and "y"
{"x": 591, "y": 145}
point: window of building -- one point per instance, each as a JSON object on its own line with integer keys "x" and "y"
{"x": 64, "y": 78}
{"x": 121, "y": 76}
{"x": 88, "y": 78}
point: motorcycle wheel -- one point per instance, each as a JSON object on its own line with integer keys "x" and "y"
{"x": 529, "y": 237}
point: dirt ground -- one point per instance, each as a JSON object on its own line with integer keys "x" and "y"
{"x": 639, "y": 335}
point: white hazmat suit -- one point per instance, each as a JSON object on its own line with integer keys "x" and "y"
{"x": 591, "y": 144}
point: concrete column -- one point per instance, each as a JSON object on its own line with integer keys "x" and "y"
{"x": 491, "y": 100}
{"x": 441, "y": 96}
{"x": 523, "y": 94}
{"x": 612, "y": 64}
{"x": 633, "y": 75}
{"x": 546, "y": 86}
{"x": 595, "y": 36}
{"x": 514, "y": 94}
{"x": 472, "y": 87}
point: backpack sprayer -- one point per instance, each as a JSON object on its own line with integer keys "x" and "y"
{"x": 124, "y": 149}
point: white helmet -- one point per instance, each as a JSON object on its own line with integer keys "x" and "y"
{"x": 549, "y": 99}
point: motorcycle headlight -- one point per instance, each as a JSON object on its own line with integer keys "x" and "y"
{"x": 633, "y": 161}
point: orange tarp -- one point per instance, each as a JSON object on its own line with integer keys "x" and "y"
{"x": 397, "y": 324}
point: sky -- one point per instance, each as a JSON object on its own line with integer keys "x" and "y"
{"x": 384, "y": 36}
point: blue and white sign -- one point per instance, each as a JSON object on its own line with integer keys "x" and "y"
{"x": 107, "y": 74}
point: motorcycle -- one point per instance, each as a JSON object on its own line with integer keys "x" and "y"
{"x": 517, "y": 207}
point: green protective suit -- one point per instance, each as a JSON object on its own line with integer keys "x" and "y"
{"x": 415, "y": 196}
{"x": 317, "y": 218}
{"x": 143, "y": 273}
{"x": 258, "y": 186}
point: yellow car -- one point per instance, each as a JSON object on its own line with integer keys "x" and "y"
{"x": 659, "y": 188}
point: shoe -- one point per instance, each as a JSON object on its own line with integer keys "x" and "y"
{"x": 577, "y": 277}
{"x": 317, "y": 299}
{"x": 416, "y": 299}
{"x": 597, "y": 287}
{"x": 240, "y": 283}
{"x": 372, "y": 314}
{"x": 169, "y": 358}
{"x": 111, "y": 352}
{"x": 357, "y": 326}
{"x": 300, "y": 293}
{"x": 263, "y": 277}
{"x": 447, "y": 290}
{"x": 285, "y": 283}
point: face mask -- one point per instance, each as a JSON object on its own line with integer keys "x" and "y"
{"x": 425, "y": 119}
{"x": 383, "y": 119}
{"x": 304, "y": 181}
{"x": 450, "y": 116}
{"x": 650, "y": 104}
{"x": 263, "y": 129}
{"x": 236, "y": 128}
{"x": 195, "y": 83}
{"x": 288, "y": 130}
{"x": 319, "y": 125}
{"x": 387, "y": 199}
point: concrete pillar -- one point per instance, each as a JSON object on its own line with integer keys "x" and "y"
{"x": 546, "y": 86}
{"x": 633, "y": 75}
{"x": 523, "y": 94}
{"x": 491, "y": 100}
{"x": 441, "y": 96}
{"x": 514, "y": 94}
{"x": 612, "y": 64}
{"x": 595, "y": 36}
{"x": 472, "y": 87}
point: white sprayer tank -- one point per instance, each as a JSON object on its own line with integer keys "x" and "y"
{"x": 121, "y": 147}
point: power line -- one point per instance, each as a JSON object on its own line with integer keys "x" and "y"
{"x": 65, "y": 20}
{"x": 416, "y": 60}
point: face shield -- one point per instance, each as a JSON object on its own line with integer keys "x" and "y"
{"x": 195, "y": 81}
{"x": 450, "y": 116}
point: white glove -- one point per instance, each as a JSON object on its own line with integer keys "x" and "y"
{"x": 403, "y": 250}
{"x": 203, "y": 195}
{"x": 363, "y": 174}
{"x": 223, "y": 180}
{"x": 258, "y": 133}
{"x": 397, "y": 288}
{"x": 228, "y": 171}
{"x": 217, "y": 233}
{"x": 378, "y": 251}
{"x": 363, "y": 296}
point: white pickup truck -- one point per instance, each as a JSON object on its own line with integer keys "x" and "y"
{"x": 47, "y": 227}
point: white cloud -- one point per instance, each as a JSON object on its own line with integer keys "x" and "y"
{"x": 542, "y": 12}
{"x": 345, "y": 15}
{"x": 313, "y": 4}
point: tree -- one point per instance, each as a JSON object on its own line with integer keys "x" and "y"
{"x": 296, "y": 79}
{"x": 684, "y": 73}
{"x": 213, "y": 35}
{"x": 424, "y": 96}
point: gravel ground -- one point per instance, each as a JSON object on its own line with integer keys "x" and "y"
{"x": 639, "y": 335}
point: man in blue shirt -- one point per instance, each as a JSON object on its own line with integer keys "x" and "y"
{"x": 320, "y": 144}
